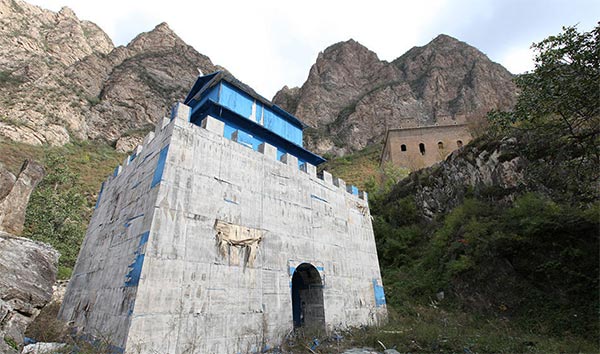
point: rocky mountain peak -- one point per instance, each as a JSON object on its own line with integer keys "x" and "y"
{"x": 443, "y": 50}
{"x": 340, "y": 73}
{"x": 67, "y": 12}
{"x": 63, "y": 78}
{"x": 350, "y": 56}
{"x": 351, "y": 97}
{"x": 160, "y": 38}
{"x": 349, "y": 48}
{"x": 444, "y": 39}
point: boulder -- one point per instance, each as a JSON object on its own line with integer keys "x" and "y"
{"x": 43, "y": 348}
{"x": 16, "y": 195}
{"x": 28, "y": 271}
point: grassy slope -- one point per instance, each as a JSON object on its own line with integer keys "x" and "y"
{"x": 92, "y": 161}
{"x": 358, "y": 168}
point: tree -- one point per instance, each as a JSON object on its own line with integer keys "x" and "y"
{"x": 558, "y": 108}
{"x": 56, "y": 212}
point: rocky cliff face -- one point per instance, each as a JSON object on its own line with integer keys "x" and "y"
{"x": 480, "y": 167}
{"x": 63, "y": 78}
{"x": 351, "y": 97}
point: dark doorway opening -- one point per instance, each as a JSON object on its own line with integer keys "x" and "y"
{"x": 422, "y": 148}
{"x": 307, "y": 297}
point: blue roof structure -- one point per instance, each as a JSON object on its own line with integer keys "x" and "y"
{"x": 241, "y": 109}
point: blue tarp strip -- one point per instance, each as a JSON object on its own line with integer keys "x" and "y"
{"x": 245, "y": 139}
{"x": 144, "y": 238}
{"x": 379, "y": 294}
{"x": 99, "y": 196}
{"x": 128, "y": 221}
{"x": 135, "y": 271}
{"x": 160, "y": 166}
{"x": 318, "y": 198}
{"x": 133, "y": 277}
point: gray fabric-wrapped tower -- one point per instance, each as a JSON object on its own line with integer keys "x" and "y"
{"x": 217, "y": 236}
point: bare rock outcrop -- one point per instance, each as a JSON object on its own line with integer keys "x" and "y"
{"x": 62, "y": 77}
{"x": 480, "y": 167}
{"x": 28, "y": 271}
{"x": 351, "y": 97}
{"x": 15, "y": 193}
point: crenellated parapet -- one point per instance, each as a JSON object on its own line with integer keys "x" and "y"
{"x": 181, "y": 114}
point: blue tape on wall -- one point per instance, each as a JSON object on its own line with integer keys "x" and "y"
{"x": 128, "y": 221}
{"x": 135, "y": 269}
{"x": 133, "y": 276}
{"x": 318, "y": 198}
{"x": 99, "y": 196}
{"x": 160, "y": 166}
{"x": 379, "y": 294}
{"x": 144, "y": 238}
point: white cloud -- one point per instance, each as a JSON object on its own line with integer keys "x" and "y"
{"x": 272, "y": 43}
{"x": 518, "y": 60}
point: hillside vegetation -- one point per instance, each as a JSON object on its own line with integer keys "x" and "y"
{"x": 496, "y": 249}
{"x": 61, "y": 205}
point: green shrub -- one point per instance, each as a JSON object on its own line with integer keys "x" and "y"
{"x": 11, "y": 342}
{"x": 57, "y": 213}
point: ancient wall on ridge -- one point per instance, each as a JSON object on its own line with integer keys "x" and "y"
{"x": 418, "y": 147}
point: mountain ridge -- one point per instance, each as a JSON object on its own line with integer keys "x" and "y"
{"x": 103, "y": 94}
{"x": 63, "y": 80}
{"x": 445, "y": 78}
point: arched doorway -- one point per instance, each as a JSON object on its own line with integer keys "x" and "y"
{"x": 307, "y": 297}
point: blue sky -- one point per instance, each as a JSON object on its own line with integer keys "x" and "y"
{"x": 272, "y": 43}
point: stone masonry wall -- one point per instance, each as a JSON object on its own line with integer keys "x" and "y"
{"x": 431, "y": 137}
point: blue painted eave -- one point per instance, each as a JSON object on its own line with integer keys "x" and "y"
{"x": 200, "y": 83}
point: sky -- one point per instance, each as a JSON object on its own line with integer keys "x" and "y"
{"x": 271, "y": 43}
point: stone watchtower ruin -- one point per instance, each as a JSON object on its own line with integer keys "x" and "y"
{"x": 217, "y": 235}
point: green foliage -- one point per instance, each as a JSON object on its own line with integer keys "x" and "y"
{"x": 557, "y": 111}
{"x": 57, "y": 213}
{"x": 11, "y": 342}
{"x": 93, "y": 100}
{"x": 60, "y": 207}
{"x": 139, "y": 132}
{"x": 563, "y": 89}
{"x": 358, "y": 168}
{"x": 535, "y": 260}
{"x": 7, "y": 78}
